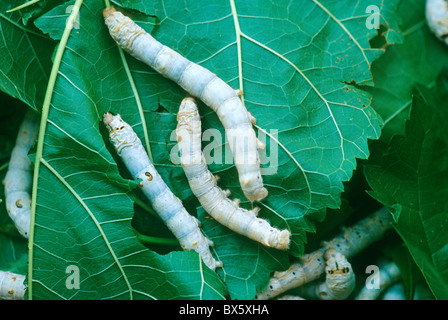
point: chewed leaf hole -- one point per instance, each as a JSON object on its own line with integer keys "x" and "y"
{"x": 379, "y": 41}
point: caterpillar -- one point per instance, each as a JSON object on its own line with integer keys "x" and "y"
{"x": 395, "y": 292}
{"x": 12, "y": 286}
{"x": 437, "y": 18}
{"x": 339, "y": 281}
{"x": 389, "y": 273}
{"x": 213, "y": 199}
{"x": 184, "y": 226}
{"x": 311, "y": 266}
{"x": 203, "y": 84}
{"x": 19, "y": 177}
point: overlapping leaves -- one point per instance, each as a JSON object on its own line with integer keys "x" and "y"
{"x": 410, "y": 180}
{"x": 293, "y": 60}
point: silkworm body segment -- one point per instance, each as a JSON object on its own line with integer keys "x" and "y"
{"x": 12, "y": 286}
{"x": 203, "y": 84}
{"x": 437, "y": 18}
{"x": 19, "y": 176}
{"x": 389, "y": 273}
{"x": 184, "y": 226}
{"x": 204, "y": 185}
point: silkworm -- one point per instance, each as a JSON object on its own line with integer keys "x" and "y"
{"x": 389, "y": 273}
{"x": 203, "y": 84}
{"x": 19, "y": 176}
{"x": 185, "y": 227}
{"x": 311, "y": 266}
{"x": 12, "y": 286}
{"x": 437, "y": 18}
{"x": 394, "y": 292}
{"x": 339, "y": 281}
{"x": 204, "y": 185}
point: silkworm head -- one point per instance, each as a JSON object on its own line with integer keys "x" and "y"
{"x": 121, "y": 28}
{"x": 330, "y": 253}
{"x": 187, "y": 111}
{"x": 108, "y": 118}
{"x": 108, "y": 11}
{"x": 113, "y": 122}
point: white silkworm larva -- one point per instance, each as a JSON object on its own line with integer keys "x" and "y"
{"x": 12, "y": 286}
{"x": 203, "y": 84}
{"x": 395, "y": 292}
{"x": 311, "y": 266}
{"x": 437, "y": 18}
{"x": 184, "y": 226}
{"x": 204, "y": 185}
{"x": 19, "y": 176}
{"x": 339, "y": 281}
{"x": 389, "y": 274}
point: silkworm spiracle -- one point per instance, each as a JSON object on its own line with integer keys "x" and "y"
{"x": 204, "y": 185}
{"x": 184, "y": 226}
{"x": 12, "y": 286}
{"x": 19, "y": 176}
{"x": 200, "y": 83}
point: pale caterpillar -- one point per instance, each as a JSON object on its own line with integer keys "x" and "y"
{"x": 389, "y": 273}
{"x": 339, "y": 280}
{"x": 12, "y": 286}
{"x": 19, "y": 176}
{"x": 437, "y": 18}
{"x": 311, "y": 266}
{"x": 203, "y": 84}
{"x": 184, "y": 226}
{"x": 204, "y": 185}
{"x": 394, "y": 292}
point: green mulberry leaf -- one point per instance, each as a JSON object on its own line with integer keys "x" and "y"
{"x": 299, "y": 64}
{"x": 411, "y": 180}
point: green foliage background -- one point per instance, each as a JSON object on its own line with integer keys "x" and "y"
{"x": 342, "y": 97}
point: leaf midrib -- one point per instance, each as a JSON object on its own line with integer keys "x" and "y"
{"x": 40, "y": 160}
{"x": 92, "y": 216}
